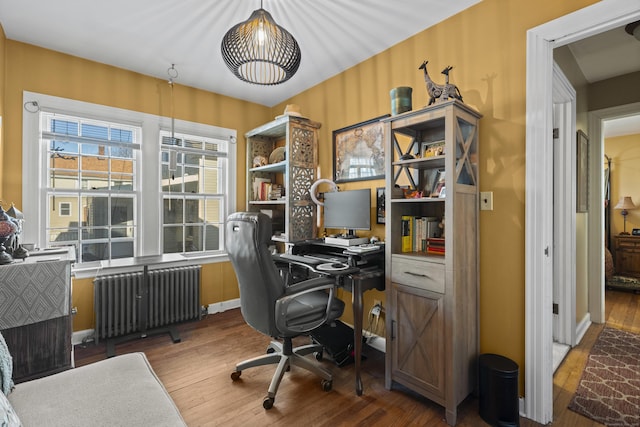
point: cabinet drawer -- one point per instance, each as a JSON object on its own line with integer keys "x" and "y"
{"x": 419, "y": 273}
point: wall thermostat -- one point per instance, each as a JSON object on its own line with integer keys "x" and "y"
{"x": 635, "y": 232}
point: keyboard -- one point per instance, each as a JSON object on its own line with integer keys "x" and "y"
{"x": 303, "y": 259}
{"x": 367, "y": 247}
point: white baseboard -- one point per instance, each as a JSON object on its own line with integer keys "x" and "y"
{"x": 374, "y": 341}
{"x": 378, "y": 342}
{"x": 79, "y": 337}
{"x": 219, "y": 307}
{"x": 581, "y": 328}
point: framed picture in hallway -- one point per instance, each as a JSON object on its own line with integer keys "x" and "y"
{"x": 582, "y": 159}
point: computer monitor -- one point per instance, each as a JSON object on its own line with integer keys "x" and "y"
{"x": 348, "y": 210}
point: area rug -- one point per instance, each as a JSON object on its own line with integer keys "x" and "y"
{"x": 609, "y": 390}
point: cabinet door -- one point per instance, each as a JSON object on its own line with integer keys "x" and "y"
{"x": 418, "y": 340}
{"x": 628, "y": 261}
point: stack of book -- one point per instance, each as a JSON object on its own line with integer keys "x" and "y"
{"x": 435, "y": 245}
{"x": 417, "y": 231}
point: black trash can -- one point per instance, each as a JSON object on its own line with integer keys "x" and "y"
{"x": 498, "y": 386}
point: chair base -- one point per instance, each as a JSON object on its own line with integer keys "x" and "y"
{"x": 285, "y": 356}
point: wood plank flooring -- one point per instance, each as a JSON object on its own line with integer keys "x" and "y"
{"x": 196, "y": 372}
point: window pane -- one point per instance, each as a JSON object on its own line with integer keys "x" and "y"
{"x": 63, "y": 235}
{"x": 212, "y": 238}
{"x": 173, "y": 211}
{"x": 95, "y": 251}
{"x": 121, "y": 210}
{"x": 122, "y": 166}
{"x": 193, "y": 239}
{"x": 95, "y": 211}
{"x": 193, "y": 211}
{"x": 191, "y": 180}
{"x": 172, "y": 239}
{"x": 93, "y": 233}
{"x": 94, "y": 181}
{"x": 60, "y": 219}
{"x": 63, "y": 148}
{"x": 121, "y": 182}
{"x": 121, "y": 250}
{"x": 213, "y": 213}
{"x": 117, "y": 232}
{"x": 61, "y": 179}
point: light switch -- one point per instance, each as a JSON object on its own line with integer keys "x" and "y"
{"x": 486, "y": 200}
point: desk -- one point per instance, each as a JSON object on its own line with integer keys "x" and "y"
{"x": 366, "y": 272}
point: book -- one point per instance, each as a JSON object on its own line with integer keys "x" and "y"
{"x": 260, "y": 188}
{"x": 407, "y": 233}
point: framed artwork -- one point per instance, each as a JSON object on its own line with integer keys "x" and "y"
{"x": 380, "y": 208}
{"x": 358, "y": 151}
{"x": 438, "y": 189}
{"x": 582, "y": 179}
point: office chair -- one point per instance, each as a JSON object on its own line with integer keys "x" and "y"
{"x": 273, "y": 307}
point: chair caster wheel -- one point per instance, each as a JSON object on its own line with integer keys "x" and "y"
{"x": 267, "y": 403}
{"x": 271, "y": 350}
{"x": 327, "y": 385}
{"x": 235, "y": 375}
{"x": 318, "y": 355}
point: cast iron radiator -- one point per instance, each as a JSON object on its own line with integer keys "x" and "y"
{"x": 124, "y": 305}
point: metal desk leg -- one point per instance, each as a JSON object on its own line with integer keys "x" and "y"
{"x": 356, "y": 301}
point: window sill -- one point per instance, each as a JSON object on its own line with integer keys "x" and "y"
{"x": 126, "y": 265}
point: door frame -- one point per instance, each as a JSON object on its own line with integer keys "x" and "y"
{"x": 564, "y": 209}
{"x": 541, "y": 40}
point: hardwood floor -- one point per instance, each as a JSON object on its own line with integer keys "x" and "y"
{"x": 196, "y": 372}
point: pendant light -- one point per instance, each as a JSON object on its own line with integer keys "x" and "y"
{"x": 260, "y": 51}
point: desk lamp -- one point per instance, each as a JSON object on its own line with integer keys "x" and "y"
{"x": 626, "y": 204}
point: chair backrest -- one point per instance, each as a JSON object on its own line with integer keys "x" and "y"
{"x": 247, "y": 239}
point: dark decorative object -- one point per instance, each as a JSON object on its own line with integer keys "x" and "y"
{"x": 15, "y": 247}
{"x": 624, "y": 205}
{"x": 358, "y": 151}
{"x": 380, "y": 206}
{"x": 438, "y": 92}
{"x": 400, "y": 99}
{"x": 7, "y": 229}
{"x": 260, "y": 51}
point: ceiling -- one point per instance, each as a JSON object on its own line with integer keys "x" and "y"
{"x": 606, "y": 55}
{"x": 148, "y": 36}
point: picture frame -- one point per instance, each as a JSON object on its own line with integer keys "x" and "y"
{"x": 432, "y": 149}
{"x": 582, "y": 172}
{"x": 358, "y": 151}
{"x": 380, "y": 205}
{"x": 438, "y": 184}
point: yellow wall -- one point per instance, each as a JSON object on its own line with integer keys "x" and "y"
{"x": 486, "y": 44}
{"x": 624, "y": 152}
{"x": 44, "y": 71}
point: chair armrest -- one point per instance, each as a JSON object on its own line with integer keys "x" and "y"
{"x": 314, "y": 284}
{"x": 299, "y": 289}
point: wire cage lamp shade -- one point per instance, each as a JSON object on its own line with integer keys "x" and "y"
{"x": 260, "y": 51}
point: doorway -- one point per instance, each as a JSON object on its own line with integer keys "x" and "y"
{"x": 541, "y": 41}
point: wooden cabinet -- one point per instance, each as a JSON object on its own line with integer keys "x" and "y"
{"x": 627, "y": 251}
{"x": 432, "y": 252}
{"x": 35, "y": 313}
{"x": 282, "y": 161}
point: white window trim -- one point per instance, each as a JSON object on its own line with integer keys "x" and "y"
{"x": 149, "y": 230}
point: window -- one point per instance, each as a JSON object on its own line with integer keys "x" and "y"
{"x": 114, "y": 184}
{"x": 192, "y": 191}
{"x": 64, "y": 209}
{"x": 90, "y": 170}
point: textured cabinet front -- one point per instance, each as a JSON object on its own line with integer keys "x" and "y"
{"x": 418, "y": 340}
{"x": 35, "y": 313}
{"x": 627, "y": 255}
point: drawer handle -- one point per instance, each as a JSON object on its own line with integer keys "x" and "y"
{"x": 415, "y": 274}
